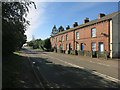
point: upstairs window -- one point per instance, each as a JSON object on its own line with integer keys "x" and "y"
{"x": 77, "y": 35}
{"x": 62, "y": 38}
{"x": 93, "y": 32}
{"x": 66, "y": 37}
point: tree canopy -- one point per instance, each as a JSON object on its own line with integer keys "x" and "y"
{"x": 14, "y": 25}
{"x": 41, "y": 44}
{"x": 54, "y": 30}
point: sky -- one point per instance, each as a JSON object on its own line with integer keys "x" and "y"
{"x": 61, "y": 13}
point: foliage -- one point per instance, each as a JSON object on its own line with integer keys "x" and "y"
{"x": 47, "y": 44}
{"x": 30, "y": 43}
{"x": 40, "y": 44}
{"x": 54, "y": 31}
{"x": 11, "y": 66}
{"x": 14, "y": 25}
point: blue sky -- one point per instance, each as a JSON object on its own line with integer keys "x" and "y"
{"x": 49, "y": 14}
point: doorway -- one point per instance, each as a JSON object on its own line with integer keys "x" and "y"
{"x": 82, "y": 46}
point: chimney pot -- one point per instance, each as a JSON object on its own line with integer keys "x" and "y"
{"x": 86, "y": 20}
{"x": 100, "y": 15}
{"x": 75, "y": 24}
{"x": 68, "y": 27}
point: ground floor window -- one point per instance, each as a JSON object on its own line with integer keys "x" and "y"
{"x": 57, "y": 46}
{"x": 101, "y": 47}
{"x": 62, "y": 46}
{"x": 66, "y": 46}
{"x": 77, "y": 46}
{"x": 93, "y": 46}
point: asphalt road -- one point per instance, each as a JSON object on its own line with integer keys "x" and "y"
{"x": 68, "y": 71}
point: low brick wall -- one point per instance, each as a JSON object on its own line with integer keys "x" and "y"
{"x": 85, "y": 53}
{"x": 104, "y": 54}
{"x": 67, "y": 51}
{"x": 74, "y": 52}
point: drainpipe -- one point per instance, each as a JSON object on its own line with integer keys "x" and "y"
{"x": 74, "y": 40}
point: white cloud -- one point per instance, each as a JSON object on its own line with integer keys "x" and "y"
{"x": 36, "y": 18}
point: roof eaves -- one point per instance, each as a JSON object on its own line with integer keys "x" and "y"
{"x": 107, "y": 17}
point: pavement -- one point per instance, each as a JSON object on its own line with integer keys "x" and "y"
{"x": 67, "y": 71}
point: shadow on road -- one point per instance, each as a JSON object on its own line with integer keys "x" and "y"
{"x": 63, "y": 76}
{"x": 70, "y": 77}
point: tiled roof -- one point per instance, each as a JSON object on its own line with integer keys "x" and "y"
{"x": 109, "y": 16}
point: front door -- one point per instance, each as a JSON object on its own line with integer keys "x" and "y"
{"x": 82, "y": 46}
{"x": 69, "y": 46}
{"x": 101, "y": 46}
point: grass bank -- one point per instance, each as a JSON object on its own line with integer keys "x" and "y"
{"x": 11, "y": 65}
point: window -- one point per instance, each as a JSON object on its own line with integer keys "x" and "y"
{"x": 77, "y": 46}
{"x": 57, "y": 46}
{"x": 93, "y": 32}
{"x": 57, "y": 39}
{"x": 62, "y": 46}
{"x": 52, "y": 40}
{"x": 101, "y": 46}
{"x": 62, "y": 38}
{"x": 66, "y": 37}
{"x": 93, "y": 46}
{"x": 77, "y": 35}
{"x": 66, "y": 46}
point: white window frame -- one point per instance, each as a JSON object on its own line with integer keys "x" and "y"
{"x": 52, "y": 40}
{"x": 57, "y": 46}
{"x": 62, "y": 38}
{"x": 77, "y": 35}
{"x": 77, "y": 46}
{"x": 93, "y": 32}
{"x": 62, "y": 46}
{"x": 66, "y": 46}
{"x": 66, "y": 37}
{"x": 57, "y": 39}
{"x": 93, "y": 46}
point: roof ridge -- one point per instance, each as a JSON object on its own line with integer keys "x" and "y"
{"x": 90, "y": 22}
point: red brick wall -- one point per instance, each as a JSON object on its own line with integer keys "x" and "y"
{"x": 85, "y": 37}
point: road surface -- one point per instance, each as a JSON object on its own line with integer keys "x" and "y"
{"x": 69, "y": 71}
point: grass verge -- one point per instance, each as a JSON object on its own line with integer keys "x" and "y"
{"x": 10, "y": 70}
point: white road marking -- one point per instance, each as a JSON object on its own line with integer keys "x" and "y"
{"x": 93, "y": 72}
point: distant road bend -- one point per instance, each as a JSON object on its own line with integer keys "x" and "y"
{"x": 68, "y": 71}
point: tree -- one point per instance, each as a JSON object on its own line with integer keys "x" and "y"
{"x": 54, "y": 31}
{"x": 14, "y": 25}
{"x": 47, "y": 44}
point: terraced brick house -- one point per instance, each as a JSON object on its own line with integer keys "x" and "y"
{"x": 99, "y": 35}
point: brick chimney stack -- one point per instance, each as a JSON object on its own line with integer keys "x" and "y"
{"x": 86, "y": 20}
{"x": 68, "y": 27}
{"x": 100, "y": 15}
{"x": 75, "y": 24}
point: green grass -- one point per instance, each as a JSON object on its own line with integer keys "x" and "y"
{"x": 10, "y": 70}
{"x": 39, "y": 49}
{"x": 16, "y": 53}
